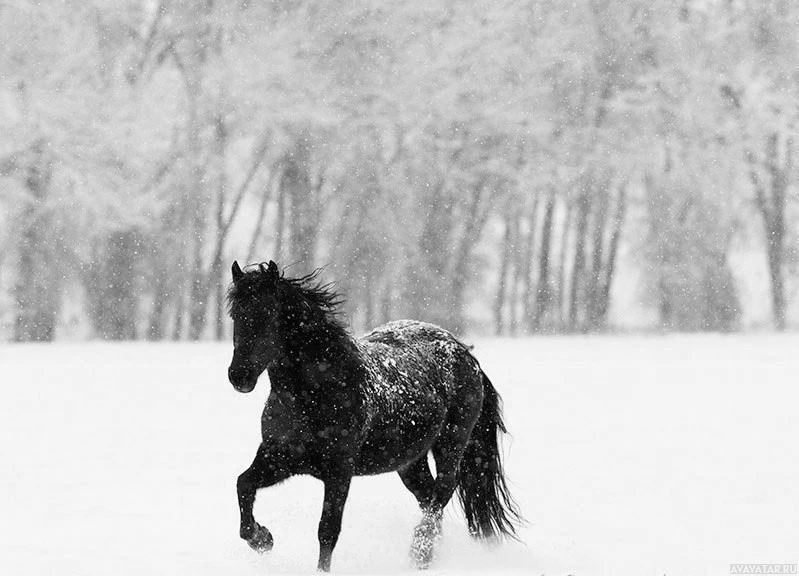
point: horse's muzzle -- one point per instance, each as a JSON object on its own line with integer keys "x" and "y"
{"x": 242, "y": 378}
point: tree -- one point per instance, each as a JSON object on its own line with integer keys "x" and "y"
{"x": 762, "y": 98}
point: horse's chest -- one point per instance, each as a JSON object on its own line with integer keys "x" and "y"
{"x": 313, "y": 433}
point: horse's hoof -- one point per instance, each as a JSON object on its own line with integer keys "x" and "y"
{"x": 425, "y": 538}
{"x": 260, "y": 540}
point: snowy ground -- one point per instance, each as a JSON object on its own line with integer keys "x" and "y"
{"x": 629, "y": 456}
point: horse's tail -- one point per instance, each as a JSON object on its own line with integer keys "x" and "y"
{"x": 490, "y": 510}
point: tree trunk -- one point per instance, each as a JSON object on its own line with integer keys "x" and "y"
{"x": 610, "y": 266}
{"x": 774, "y": 216}
{"x": 194, "y": 203}
{"x": 502, "y": 284}
{"x": 596, "y": 272}
{"x": 385, "y": 300}
{"x": 525, "y": 267}
{"x": 777, "y": 285}
{"x": 112, "y": 294}
{"x": 564, "y": 251}
{"x": 180, "y": 314}
{"x": 578, "y": 268}
{"x": 303, "y": 204}
{"x": 543, "y": 300}
{"x": 475, "y": 221}
{"x": 219, "y": 327}
{"x": 434, "y": 244}
{"x": 156, "y": 328}
{"x": 771, "y": 203}
{"x": 515, "y": 279}
{"x": 39, "y": 278}
{"x": 280, "y": 218}
{"x": 266, "y": 195}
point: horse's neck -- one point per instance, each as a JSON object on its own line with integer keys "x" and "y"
{"x": 316, "y": 356}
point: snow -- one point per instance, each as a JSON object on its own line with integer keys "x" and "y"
{"x": 629, "y": 456}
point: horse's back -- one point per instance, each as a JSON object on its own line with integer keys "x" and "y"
{"x": 414, "y": 355}
{"x": 415, "y": 374}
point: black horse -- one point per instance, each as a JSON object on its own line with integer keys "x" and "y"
{"x": 341, "y": 407}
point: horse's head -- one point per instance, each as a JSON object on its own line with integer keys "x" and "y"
{"x": 255, "y": 310}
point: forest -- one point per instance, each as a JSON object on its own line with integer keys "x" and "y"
{"x": 512, "y": 167}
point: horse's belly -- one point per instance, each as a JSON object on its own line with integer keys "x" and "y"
{"x": 390, "y": 447}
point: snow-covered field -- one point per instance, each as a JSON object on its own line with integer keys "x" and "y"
{"x": 630, "y": 456}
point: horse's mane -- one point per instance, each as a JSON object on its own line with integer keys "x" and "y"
{"x": 319, "y": 294}
{"x": 294, "y": 293}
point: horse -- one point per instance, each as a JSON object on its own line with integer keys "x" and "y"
{"x": 340, "y": 407}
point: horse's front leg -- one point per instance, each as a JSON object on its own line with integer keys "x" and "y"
{"x": 336, "y": 490}
{"x": 268, "y": 468}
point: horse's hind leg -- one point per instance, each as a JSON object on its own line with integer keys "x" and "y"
{"x": 448, "y": 451}
{"x": 419, "y": 480}
{"x": 266, "y": 470}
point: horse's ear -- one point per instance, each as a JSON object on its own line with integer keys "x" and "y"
{"x": 236, "y": 270}
{"x": 270, "y": 271}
